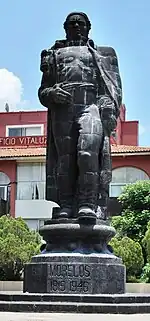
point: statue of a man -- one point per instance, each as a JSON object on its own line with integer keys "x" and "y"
{"x": 81, "y": 88}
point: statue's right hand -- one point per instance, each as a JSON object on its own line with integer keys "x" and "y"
{"x": 60, "y": 96}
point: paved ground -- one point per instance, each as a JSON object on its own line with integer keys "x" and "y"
{"x": 4, "y": 316}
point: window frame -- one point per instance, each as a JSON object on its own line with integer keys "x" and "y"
{"x": 32, "y": 181}
{"x": 5, "y": 191}
{"x": 24, "y": 126}
{"x": 122, "y": 184}
{"x": 111, "y": 185}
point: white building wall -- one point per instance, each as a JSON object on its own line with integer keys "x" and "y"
{"x": 34, "y": 212}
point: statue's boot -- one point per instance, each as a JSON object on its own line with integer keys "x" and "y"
{"x": 87, "y": 197}
{"x": 65, "y": 212}
{"x": 87, "y": 214}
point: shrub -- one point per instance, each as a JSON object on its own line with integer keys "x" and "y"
{"x": 17, "y": 245}
{"x": 131, "y": 254}
{"x": 145, "y": 277}
{"x": 146, "y": 242}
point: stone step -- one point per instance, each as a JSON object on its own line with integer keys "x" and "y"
{"x": 127, "y": 298}
{"x": 69, "y": 307}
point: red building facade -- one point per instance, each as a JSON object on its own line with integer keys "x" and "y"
{"x": 22, "y": 160}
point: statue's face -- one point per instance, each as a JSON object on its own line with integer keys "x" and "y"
{"x": 77, "y": 28}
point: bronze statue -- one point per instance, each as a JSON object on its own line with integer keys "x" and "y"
{"x": 81, "y": 87}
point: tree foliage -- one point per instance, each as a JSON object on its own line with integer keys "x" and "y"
{"x": 17, "y": 245}
{"x": 146, "y": 242}
{"x": 132, "y": 241}
{"x": 145, "y": 277}
{"x": 136, "y": 197}
{"x": 131, "y": 254}
{"x": 135, "y": 200}
{"x": 132, "y": 224}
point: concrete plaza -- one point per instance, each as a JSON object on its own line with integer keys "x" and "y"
{"x": 6, "y": 316}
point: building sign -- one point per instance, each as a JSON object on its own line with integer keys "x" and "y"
{"x": 31, "y": 141}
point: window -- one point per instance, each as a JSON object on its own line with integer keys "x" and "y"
{"x": 27, "y": 130}
{"x": 31, "y": 181}
{"x": 34, "y": 224}
{"x": 4, "y": 179}
{"x": 125, "y": 175}
{"x": 3, "y": 192}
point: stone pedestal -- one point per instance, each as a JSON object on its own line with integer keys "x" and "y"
{"x": 74, "y": 274}
{"x": 76, "y": 260}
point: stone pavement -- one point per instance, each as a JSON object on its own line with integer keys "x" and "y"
{"x": 6, "y": 316}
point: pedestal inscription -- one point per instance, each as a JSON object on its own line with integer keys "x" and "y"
{"x": 68, "y": 278}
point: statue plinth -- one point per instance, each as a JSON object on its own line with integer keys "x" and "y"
{"x": 76, "y": 260}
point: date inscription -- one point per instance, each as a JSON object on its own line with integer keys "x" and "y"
{"x": 73, "y": 278}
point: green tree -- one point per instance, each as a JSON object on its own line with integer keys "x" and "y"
{"x": 131, "y": 254}
{"x": 136, "y": 197}
{"x": 146, "y": 242}
{"x": 132, "y": 225}
{"x": 135, "y": 200}
{"x": 17, "y": 245}
{"x": 145, "y": 277}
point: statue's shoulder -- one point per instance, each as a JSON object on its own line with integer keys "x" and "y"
{"x": 47, "y": 55}
{"x": 58, "y": 44}
{"x": 44, "y": 53}
{"x": 106, "y": 51}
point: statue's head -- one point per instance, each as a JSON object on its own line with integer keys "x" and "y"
{"x": 77, "y": 26}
